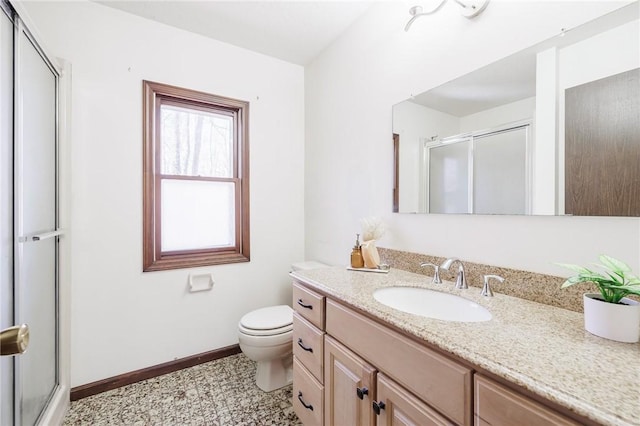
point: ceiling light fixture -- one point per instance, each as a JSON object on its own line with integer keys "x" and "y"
{"x": 470, "y": 9}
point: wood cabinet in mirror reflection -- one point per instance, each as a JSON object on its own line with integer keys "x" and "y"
{"x": 602, "y": 147}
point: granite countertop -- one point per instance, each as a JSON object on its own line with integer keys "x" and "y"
{"x": 539, "y": 347}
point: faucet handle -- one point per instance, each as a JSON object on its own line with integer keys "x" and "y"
{"x": 436, "y": 272}
{"x": 486, "y": 288}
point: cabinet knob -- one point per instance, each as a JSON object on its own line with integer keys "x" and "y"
{"x": 377, "y": 406}
{"x": 306, "y": 348}
{"x": 304, "y": 404}
{"x": 301, "y": 303}
{"x": 361, "y": 392}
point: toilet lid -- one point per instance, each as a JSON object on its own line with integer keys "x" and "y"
{"x": 270, "y": 318}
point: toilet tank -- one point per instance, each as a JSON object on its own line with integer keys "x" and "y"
{"x": 307, "y": 264}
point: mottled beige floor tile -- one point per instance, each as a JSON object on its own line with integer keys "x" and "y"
{"x": 217, "y": 393}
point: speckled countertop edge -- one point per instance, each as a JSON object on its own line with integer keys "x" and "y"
{"x": 539, "y": 347}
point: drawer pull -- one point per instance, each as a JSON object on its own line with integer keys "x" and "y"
{"x": 301, "y": 303}
{"x": 307, "y": 406}
{"x": 377, "y": 406}
{"x": 304, "y": 347}
{"x": 361, "y": 392}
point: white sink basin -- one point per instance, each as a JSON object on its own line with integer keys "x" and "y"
{"x": 432, "y": 304}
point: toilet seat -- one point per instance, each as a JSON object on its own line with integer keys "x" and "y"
{"x": 269, "y": 321}
{"x": 265, "y": 333}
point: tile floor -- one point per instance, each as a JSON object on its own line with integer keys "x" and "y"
{"x": 217, "y": 393}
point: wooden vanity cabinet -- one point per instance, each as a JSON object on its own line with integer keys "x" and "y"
{"x": 440, "y": 382}
{"x": 401, "y": 408}
{"x": 356, "y": 394}
{"x": 309, "y": 305}
{"x": 363, "y": 373}
{"x": 308, "y": 355}
{"x": 496, "y": 404}
{"x": 350, "y": 386}
{"x": 308, "y": 346}
{"x": 308, "y": 396}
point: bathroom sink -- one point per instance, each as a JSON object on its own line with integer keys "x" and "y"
{"x": 432, "y": 304}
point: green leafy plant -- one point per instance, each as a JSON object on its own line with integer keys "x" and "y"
{"x": 614, "y": 282}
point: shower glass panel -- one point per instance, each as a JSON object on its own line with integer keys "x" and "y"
{"x": 485, "y": 172}
{"x": 449, "y": 178}
{"x": 36, "y": 271}
{"x": 499, "y": 172}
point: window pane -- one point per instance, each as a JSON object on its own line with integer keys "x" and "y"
{"x": 197, "y": 215}
{"x": 196, "y": 143}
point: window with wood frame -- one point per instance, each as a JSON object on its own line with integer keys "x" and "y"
{"x": 196, "y": 178}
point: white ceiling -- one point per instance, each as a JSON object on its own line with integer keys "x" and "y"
{"x": 508, "y": 80}
{"x": 296, "y": 30}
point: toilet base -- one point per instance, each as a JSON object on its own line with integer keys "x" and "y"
{"x": 272, "y": 375}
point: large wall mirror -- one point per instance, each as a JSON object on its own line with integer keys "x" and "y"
{"x": 551, "y": 130}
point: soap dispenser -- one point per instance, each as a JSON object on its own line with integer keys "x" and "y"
{"x": 357, "y": 261}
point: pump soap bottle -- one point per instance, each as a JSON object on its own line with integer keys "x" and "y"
{"x": 357, "y": 261}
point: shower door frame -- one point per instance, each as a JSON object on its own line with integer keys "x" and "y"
{"x": 58, "y": 401}
{"x": 470, "y": 137}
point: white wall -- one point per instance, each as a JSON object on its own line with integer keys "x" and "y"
{"x": 123, "y": 319}
{"x": 349, "y": 92}
{"x": 523, "y": 109}
{"x": 593, "y": 58}
{"x": 414, "y": 123}
{"x": 544, "y": 159}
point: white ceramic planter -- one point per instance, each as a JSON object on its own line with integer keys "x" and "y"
{"x": 612, "y": 321}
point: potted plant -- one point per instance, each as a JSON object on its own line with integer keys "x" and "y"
{"x": 609, "y": 314}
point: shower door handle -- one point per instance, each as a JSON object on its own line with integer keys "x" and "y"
{"x": 41, "y": 236}
{"x": 14, "y": 340}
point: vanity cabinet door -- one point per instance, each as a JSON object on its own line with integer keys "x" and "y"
{"x": 349, "y": 387}
{"x": 443, "y": 383}
{"x": 395, "y": 406}
{"x": 498, "y": 405}
{"x": 308, "y": 396}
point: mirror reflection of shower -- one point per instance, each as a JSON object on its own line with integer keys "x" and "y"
{"x": 470, "y": 9}
{"x": 480, "y": 172}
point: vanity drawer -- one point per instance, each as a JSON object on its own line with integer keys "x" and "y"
{"x": 442, "y": 383}
{"x": 498, "y": 405}
{"x": 308, "y": 396}
{"x": 308, "y": 345}
{"x": 309, "y": 304}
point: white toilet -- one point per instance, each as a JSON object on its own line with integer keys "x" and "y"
{"x": 265, "y": 337}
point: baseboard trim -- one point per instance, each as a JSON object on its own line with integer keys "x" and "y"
{"x": 104, "y": 385}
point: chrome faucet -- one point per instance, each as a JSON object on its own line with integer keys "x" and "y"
{"x": 436, "y": 272}
{"x": 461, "y": 281}
{"x": 486, "y": 289}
